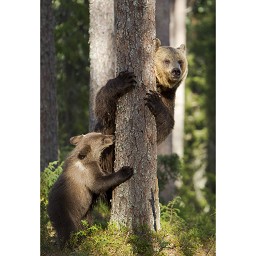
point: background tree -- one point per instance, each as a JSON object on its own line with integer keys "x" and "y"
{"x": 102, "y": 49}
{"x": 48, "y": 104}
{"x": 177, "y": 37}
{"x": 163, "y": 8}
{"x": 135, "y": 203}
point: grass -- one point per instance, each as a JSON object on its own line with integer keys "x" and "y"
{"x": 176, "y": 237}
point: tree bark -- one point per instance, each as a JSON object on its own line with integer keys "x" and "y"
{"x": 48, "y": 104}
{"x": 102, "y": 49}
{"x": 163, "y": 21}
{"x": 135, "y": 203}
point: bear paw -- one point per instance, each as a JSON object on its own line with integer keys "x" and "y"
{"x": 126, "y": 172}
{"x": 153, "y": 101}
{"x": 128, "y": 80}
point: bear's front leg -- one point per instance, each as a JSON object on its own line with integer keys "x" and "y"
{"x": 108, "y": 95}
{"x": 163, "y": 115}
{"x": 104, "y": 183}
{"x": 125, "y": 82}
{"x": 117, "y": 87}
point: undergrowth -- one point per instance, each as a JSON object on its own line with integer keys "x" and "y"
{"x": 183, "y": 231}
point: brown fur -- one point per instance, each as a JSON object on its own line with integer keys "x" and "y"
{"x": 105, "y": 111}
{"x": 171, "y": 69}
{"x": 81, "y": 181}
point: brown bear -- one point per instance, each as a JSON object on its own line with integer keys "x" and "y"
{"x": 105, "y": 109}
{"x": 82, "y": 180}
{"x": 171, "y": 69}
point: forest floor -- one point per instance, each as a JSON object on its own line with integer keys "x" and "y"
{"x": 175, "y": 238}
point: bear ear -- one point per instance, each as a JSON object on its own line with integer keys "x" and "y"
{"x": 157, "y": 43}
{"x": 84, "y": 152}
{"x": 74, "y": 140}
{"x": 182, "y": 47}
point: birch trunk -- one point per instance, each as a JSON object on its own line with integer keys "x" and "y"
{"x": 178, "y": 37}
{"x": 135, "y": 203}
{"x": 102, "y": 49}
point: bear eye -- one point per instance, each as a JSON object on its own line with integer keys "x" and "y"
{"x": 81, "y": 157}
{"x": 84, "y": 152}
{"x": 180, "y": 63}
{"x": 167, "y": 62}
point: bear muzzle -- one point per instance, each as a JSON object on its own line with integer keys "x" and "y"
{"x": 109, "y": 139}
{"x": 176, "y": 72}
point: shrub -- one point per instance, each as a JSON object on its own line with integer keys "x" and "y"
{"x": 47, "y": 179}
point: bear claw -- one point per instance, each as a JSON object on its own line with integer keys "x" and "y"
{"x": 128, "y": 78}
{"x": 127, "y": 171}
{"x": 152, "y": 100}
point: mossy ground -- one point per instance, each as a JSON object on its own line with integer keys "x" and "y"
{"x": 176, "y": 237}
{"x": 184, "y": 231}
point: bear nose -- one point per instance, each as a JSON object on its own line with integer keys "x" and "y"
{"x": 176, "y": 72}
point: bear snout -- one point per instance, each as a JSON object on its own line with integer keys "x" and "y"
{"x": 176, "y": 73}
{"x": 109, "y": 139}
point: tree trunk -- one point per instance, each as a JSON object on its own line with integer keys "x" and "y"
{"x": 163, "y": 13}
{"x": 48, "y": 105}
{"x": 102, "y": 49}
{"x": 163, "y": 21}
{"x": 177, "y": 37}
{"x": 135, "y": 203}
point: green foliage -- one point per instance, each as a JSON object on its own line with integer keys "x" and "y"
{"x": 192, "y": 232}
{"x": 119, "y": 241}
{"x": 101, "y": 213}
{"x": 198, "y": 174}
{"x": 99, "y": 241}
{"x": 72, "y": 69}
{"x": 47, "y": 179}
{"x": 168, "y": 167}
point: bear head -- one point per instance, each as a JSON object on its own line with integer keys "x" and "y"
{"x": 171, "y": 66}
{"x": 90, "y": 146}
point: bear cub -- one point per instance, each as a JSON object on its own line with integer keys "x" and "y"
{"x": 82, "y": 180}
